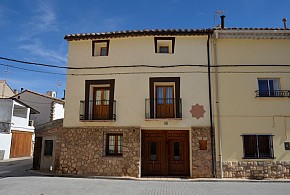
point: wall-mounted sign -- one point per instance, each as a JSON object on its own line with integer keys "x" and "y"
{"x": 197, "y": 111}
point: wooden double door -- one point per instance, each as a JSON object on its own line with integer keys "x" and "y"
{"x": 165, "y": 153}
{"x": 101, "y": 106}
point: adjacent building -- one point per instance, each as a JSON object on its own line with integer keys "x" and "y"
{"x": 50, "y": 108}
{"x": 252, "y": 102}
{"x": 16, "y": 133}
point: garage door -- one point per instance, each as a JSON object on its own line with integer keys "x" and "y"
{"x": 20, "y": 144}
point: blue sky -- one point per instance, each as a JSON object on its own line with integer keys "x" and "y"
{"x": 33, "y": 30}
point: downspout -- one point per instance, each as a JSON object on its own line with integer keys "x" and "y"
{"x": 217, "y": 122}
{"x": 212, "y": 134}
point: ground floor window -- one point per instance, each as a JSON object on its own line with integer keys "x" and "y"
{"x": 258, "y": 146}
{"x": 48, "y": 147}
{"x": 114, "y": 144}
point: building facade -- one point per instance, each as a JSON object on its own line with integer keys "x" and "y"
{"x": 16, "y": 133}
{"x": 252, "y": 90}
{"x": 138, "y": 105}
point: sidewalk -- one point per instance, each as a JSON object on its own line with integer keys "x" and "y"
{"x": 168, "y": 179}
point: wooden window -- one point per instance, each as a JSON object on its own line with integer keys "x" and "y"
{"x": 164, "y": 44}
{"x": 114, "y": 145}
{"x": 100, "y": 48}
{"x": 258, "y": 146}
{"x": 48, "y": 147}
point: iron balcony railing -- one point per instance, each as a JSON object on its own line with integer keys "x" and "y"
{"x": 97, "y": 110}
{"x": 163, "y": 108}
{"x": 273, "y": 93}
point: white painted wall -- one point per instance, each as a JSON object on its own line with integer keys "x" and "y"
{"x": 20, "y": 122}
{"x": 5, "y": 143}
{"x": 5, "y": 116}
{"x": 58, "y": 111}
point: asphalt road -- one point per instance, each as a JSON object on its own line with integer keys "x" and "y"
{"x": 15, "y": 179}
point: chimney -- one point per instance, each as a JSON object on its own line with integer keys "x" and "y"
{"x": 15, "y": 91}
{"x": 285, "y": 24}
{"x": 21, "y": 90}
{"x": 223, "y": 21}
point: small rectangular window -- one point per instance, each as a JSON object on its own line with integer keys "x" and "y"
{"x": 114, "y": 145}
{"x": 100, "y": 48}
{"x": 48, "y": 147}
{"x": 258, "y": 146}
{"x": 164, "y": 45}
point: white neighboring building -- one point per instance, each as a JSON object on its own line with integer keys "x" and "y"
{"x": 16, "y": 132}
{"x": 49, "y": 107}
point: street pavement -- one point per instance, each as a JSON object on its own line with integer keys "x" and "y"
{"x": 16, "y": 178}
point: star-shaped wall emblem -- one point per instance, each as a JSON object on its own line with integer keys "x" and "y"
{"x": 197, "y": 111}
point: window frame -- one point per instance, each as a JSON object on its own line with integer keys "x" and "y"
{"x": 155, "y": 81}
{"x": 48, "y": 151}
{"x": 172, "y": 39}
{"x": 116, "y": 144}
{"x": 88, "y": 92}
{"x": 270, "y": 142}
{"x": 269, "y": 92}
{"x": 107, "y": 42}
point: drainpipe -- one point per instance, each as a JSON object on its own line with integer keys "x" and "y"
{"x": 217, "y": 121}
{"x": 210, "y": 111}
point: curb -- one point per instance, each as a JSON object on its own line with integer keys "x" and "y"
{"x": 162, "y": 179}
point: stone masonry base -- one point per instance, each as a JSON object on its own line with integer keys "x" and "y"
{"x": 82, "y": 152}
{"x": 256, "y": 169}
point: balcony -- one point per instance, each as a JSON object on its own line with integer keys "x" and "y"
{"x": 98, "y": 110}
{"x": 273, "y": 93}
{"x": 163, "y": 108}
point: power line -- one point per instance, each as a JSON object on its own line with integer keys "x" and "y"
{"x": 39, "y": 71}
{"x": 146, "y": 66}
{"x": 148, "y": 72}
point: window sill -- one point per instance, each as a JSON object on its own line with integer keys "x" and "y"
{"x": 248, "y": 158}
{"x": 97, "y": 120}
{"x": 99, "y": 56}
{"x": 112, "y": 156}
{"x": 162, "y": 119}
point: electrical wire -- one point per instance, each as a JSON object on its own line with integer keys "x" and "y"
{"x": 148, "y": 72}
{"x": 146, "y": 66}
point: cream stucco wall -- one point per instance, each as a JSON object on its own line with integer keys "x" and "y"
{"x": 239, "y": 110}
{"x": 131, "y": 90}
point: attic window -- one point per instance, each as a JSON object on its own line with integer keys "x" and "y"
{"x": 164, "y": 44}
{"x": 100, "y": 48}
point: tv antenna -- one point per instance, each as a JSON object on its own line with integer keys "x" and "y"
{"x": 217, "y": 14}
{"x": 57, "y": 86}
